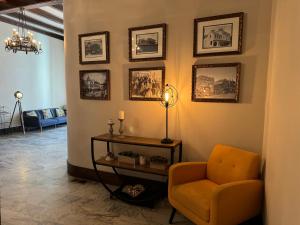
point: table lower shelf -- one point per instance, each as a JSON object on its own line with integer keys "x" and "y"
{"x": 138, "y": 168}
{"x": 148, "y": 198}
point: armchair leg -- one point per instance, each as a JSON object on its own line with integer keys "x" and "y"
{"x": 172, "y": 215}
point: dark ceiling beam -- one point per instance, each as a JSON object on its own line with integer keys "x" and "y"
{"x": 8, "y": 4}
{"x": 59, "y": 7}
{"x": 11, "y": 6}
{"x": 37, "y": 22}
{"x": 17, "y": 23}
{"x": 47, "y": 15}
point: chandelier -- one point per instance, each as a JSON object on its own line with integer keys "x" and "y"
{"x": 22, "y": 39}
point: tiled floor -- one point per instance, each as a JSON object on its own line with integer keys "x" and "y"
{"x": 36, "y": 190}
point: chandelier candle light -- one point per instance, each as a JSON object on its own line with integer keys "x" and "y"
{"x": 22, "y": 39}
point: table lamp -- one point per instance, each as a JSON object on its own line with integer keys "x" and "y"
{"x": 168, "y": 100}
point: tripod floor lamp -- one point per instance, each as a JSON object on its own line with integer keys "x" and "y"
{"x": 18, "y": 95}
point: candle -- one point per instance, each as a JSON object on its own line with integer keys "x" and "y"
{"x": 121, "y": 115}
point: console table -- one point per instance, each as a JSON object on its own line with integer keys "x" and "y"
{"x": 150, "y": 195}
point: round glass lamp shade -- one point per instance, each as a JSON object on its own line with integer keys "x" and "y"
{"x": 18, "y": 95}
{"x": 169, "y": 96}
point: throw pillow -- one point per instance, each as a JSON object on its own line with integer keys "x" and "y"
{"x": 32, "y": 113}
{"x": 60, "y": 112}
{"x": 47, "y": 114}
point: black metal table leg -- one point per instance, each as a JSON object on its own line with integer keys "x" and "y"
{"x": 180, "y": 153}
{"x": 172, "y": 155}
{"x": 96, "y": 170}
{"x": 107, "y": 147}
{"x": 108, "y": 151}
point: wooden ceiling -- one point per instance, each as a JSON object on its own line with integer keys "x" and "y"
{"x": 42, "y": 16}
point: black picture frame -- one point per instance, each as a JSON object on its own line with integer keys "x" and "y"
{"x": 90, "y": 86}
{"x": 160, "y": 46}
{"x": 218, "y": 37}
{"x": 132, "y": 89}
{"x": 208, "y": 85}
{"x": 100, "y": 59}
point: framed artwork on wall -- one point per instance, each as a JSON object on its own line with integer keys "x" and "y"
{"x": 94, "y": 48}
{"x": 146, "y": 84}
{"x": 216, "y": 82}
{"x": 94, "y": 84}
{"x": 147, "y": 43}
{"x": 218, "y": 35}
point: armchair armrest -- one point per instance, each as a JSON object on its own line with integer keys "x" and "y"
{"x": 235, "y": 202}
{"x": 181, "y": 173}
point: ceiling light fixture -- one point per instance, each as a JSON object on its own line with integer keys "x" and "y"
{"x": 22, "y": 39}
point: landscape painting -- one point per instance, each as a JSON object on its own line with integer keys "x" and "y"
{"x": 93, "y": 48}
{"x": 216, "y": 82}
{"x": 147, "y": 43}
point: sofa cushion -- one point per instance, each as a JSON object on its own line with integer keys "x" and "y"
{"x": 47, "y": 114}
{"x": 60, "y": 112}
{"x": 61, "y": 119}
{"x": 48, "y": 122}
{"x": 31, "y": 113}
{"x": 228, "y": 164}
{"x": 195, "y": 196}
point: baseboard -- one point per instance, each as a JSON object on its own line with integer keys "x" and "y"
{"x": 10, "y": 130}
{"x": 108, "y": 178}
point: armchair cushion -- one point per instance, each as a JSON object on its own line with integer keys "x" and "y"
{"x": 228, "y": 164}
{"x": 195, "y": 197}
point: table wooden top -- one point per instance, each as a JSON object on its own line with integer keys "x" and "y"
{"x": 134, "y": 140}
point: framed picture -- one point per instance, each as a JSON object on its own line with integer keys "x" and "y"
{"x": 94, "y": 84}
{"x": 146, "y": 84}
{"x": 94, "y": 48}
{"x": 147, "y": 43}
{"x": 216, "y": 82}
{"x": 218, "y": 35}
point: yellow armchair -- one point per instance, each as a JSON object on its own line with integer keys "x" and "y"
{"x": 224, "y": 191}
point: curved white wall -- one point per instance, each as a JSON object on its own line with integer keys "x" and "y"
{"x": 199, "y": 125}
{"x": 282, "y": 138}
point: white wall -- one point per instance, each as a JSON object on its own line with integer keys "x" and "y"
{"x": 199, "y": 125}
{"x": 282, "y": 131}
{"x": 40, "y": 77}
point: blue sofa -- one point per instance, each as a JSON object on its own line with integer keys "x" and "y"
{"x": 39, "y": 121}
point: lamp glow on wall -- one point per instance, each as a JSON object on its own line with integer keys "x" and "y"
{"x": 169, "y": 99}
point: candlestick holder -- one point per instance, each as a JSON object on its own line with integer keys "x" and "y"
{"x": 121, "y": 129}
{"x": 111, "y": 130}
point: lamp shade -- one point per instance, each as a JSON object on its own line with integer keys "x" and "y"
{"x": 169, "y": 96}
{"x": 18, "y": 95}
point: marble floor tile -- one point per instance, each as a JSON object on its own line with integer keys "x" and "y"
{"x": 35, "y": 188}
